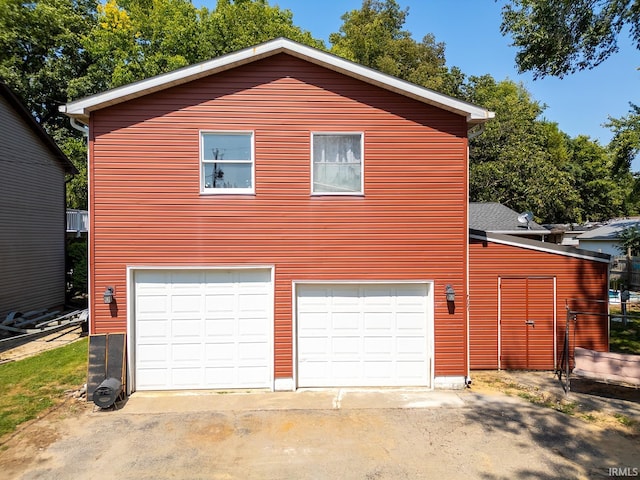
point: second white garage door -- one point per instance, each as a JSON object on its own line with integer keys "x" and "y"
{"x": 199, "y": 329}
{"x": 364, "y": 335}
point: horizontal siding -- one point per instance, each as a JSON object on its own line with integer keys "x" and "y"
{"x": 580, "y": 282}
{"x": 32, "y": 219}
{"x": 409, "y": 225}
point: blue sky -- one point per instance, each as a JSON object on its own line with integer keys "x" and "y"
{"x": 579, "y": 103}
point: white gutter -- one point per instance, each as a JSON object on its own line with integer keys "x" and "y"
{"x": 81, "y": 128}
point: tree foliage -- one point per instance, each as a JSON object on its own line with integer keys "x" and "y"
{"x": 511, "y": 162}
{"x": 373, "y": 36}
{"x": 52, "y": 51}
{"x": 630, "y": 240}
{"x": 137, "y": 39}
{"x": 557, "y": 37}
{"x": 625, "y": 144}
{"x": 40, "y": 51}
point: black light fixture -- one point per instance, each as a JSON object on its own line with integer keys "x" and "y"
{"x": 108, "y": 295}
{"x": 450, "y": 293}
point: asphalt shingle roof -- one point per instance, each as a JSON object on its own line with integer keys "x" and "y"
{"x": 497, "y": 218}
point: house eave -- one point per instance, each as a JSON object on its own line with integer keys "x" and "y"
{"x": 82, "y": 108}
{"x": 530, "y": 244}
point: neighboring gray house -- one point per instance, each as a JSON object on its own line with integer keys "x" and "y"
{"x": 494, "y": 217}
{"x": 604, "y": 239}
{"x": 32, "y": 217}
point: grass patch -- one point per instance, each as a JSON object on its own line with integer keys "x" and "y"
{"x": 624, "y": 420}
{"x": 34, "y": 385}
{"x": 625, "y": 339}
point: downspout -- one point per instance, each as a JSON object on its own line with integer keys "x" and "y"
{"x": 471, "y": 134}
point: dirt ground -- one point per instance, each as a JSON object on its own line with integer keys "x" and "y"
{"x": 480, "y": 433}
{"x": 46, "y": 342}
{"x": 507, "y": 425}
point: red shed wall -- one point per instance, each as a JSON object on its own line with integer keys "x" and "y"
{"x": 581, "y": 282}
{"x": 410, "y": 224}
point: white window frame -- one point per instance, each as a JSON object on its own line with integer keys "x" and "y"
{"x": 362, "y": 154}
{"x": 203, "y": 162}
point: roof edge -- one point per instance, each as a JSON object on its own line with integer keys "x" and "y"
{"x": 26, "y": 115}
{"x": 80, "y": 109}
{"x": 530, "y": 244}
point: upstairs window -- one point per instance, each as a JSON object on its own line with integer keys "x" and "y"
{"x": 227, "y": 162}
{"x": 337, "y": 164}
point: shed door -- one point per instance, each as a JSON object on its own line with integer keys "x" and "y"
{"x": 198, "y": 329}
{"x": 363, "y": 335}
{"x": 527, "y": 323}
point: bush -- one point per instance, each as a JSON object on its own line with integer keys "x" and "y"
{"x": 77, "y": 267}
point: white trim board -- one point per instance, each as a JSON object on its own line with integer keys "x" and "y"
{"x": 81, "y": 109}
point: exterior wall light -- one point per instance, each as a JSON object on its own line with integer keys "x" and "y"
{"x": 108, "y": 295}
{"x": 450, "y": 293}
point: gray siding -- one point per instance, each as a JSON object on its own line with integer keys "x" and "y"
{"x": 32, "y": 218}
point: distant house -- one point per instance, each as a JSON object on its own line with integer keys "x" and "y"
{"x": 32, "y": 217}
{"x": 604, "y": 239}
{"x": 494, "y": 217}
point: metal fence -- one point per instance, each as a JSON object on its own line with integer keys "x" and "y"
{"x": 625, "y": 270}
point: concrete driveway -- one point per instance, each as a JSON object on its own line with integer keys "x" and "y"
{"x": 329, "y": 434}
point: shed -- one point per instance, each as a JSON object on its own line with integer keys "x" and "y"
{"x": 520, "y": 290}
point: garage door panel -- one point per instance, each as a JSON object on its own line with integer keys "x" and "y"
{"x": 150, "y": 304}
{"x": 181, "y": 304}
{"x": 186, "y": 327}
{"x": 313, "y": 322}
{"x": 217, "y": 305}
{"x": 252, "y": 352}
{"x": 219, "y": 328}
{"x": 154, "y": 378}
{"x": 362, "y": 335}
{"x": 203, "y": 329}
{"x": 413, "y": 345}
{"x": 251, "y": 326}
{"x": 220, "y": 352}
{"x": 345, "y": 345}
{"x": 315, "y": 346}
{"x": 378, "y": 321}
{"x": 187, "y": 377}
{"x": 186, "y": 352}
{"x": 379, "y": 345}
{"x": 153, "y": 354}
{"x": 152, "y": 329}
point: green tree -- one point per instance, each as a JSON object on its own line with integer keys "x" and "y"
{"x": 137, "y": 39}
{"x": 373, "y": 36}
{"x": 518, "y": 160}
{"x": 604, "y": 194}
{"x": 630, "y": 240}
{"x": 557, "y": 37}
{"x": 625, "y": 144}
{"x": 41, "y": 51}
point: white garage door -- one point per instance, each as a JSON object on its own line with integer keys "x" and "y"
{"x": 203, "y": 329}
{"x": 363, "y": 335}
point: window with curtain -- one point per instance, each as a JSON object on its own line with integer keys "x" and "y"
{"x": 337, "y": 163}
{"x": 227, "y": 162}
